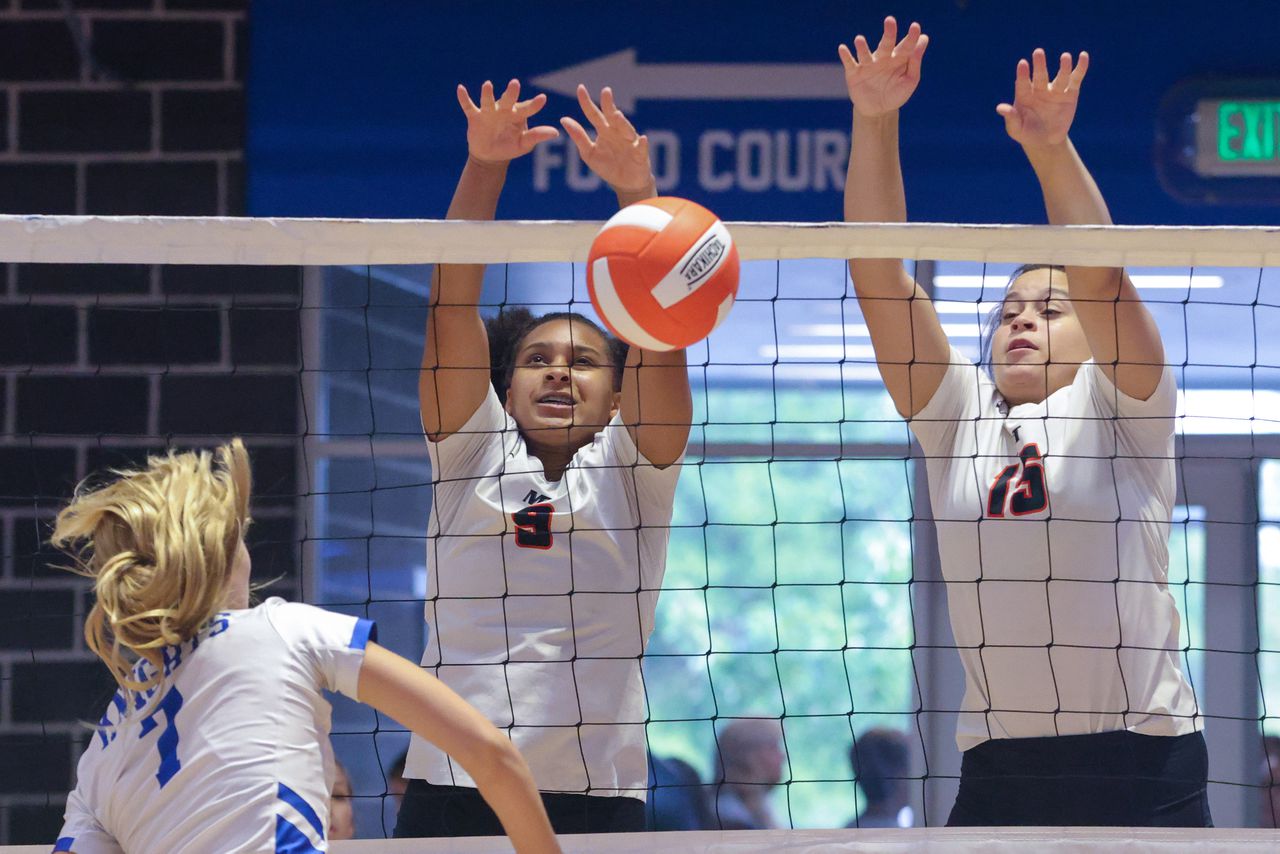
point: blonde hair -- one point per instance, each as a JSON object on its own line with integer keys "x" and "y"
{"x": 159, "y": 544}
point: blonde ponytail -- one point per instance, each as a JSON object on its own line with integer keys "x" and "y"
{"x": 159, "y": 544}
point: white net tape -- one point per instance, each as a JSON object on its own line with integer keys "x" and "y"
{"x": 233, "y": 240}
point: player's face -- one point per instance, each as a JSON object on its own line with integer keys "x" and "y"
{"x": 1039, "y": 344}
{"x": 562, "y": 387}
{"x": 237, "y": 596}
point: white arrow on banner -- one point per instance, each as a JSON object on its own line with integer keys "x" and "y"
{"x": 697, "y": 81}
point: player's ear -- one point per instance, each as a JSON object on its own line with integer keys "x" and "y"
{"x": 506, "y": 404}
{"x": 617, "y": 405}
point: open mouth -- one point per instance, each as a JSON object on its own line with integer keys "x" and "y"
{"x": 556, "y": 401}
{"x": 1020, "y": 344}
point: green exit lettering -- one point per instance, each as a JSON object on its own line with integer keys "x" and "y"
{"x": 1247, "y": 130}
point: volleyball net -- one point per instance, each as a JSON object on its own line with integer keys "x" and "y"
{"x": 802, "y": 581}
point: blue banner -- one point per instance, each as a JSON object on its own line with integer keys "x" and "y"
{"x": 352, "y": 107}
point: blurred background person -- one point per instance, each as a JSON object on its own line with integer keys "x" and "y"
{"x": 395, "y": 779}
{"x": 881, "y": 760}
{"x": 1270, "y": 813}
{"x": 678, "y": 799}
{"x": 749, "y": 761}
{"x": 342, "y": 815}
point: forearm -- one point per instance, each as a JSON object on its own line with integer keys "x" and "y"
{"x": 455, "y": 334}
{"x": 397, "y": 687}
{"x": 873, "y": 190}
{"x": 475, "y": 198}
{"x": 874, "y": 193}
{"x": 1122, "y": 335}
{"x": 478, "y": 190}
{"x": 657, "y": 405}
{"x": 508, "y": 788}
{"x": 1071, "y": 197}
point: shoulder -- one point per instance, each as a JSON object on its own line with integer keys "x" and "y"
{"x": 490, "y": 418}
{"x": 489, "y": 436}
{"x": 965, "y": 393}
{"x": 616, "y": 444}
{"x": 612, "y": 457}
{"x": 298, "y": 622}
{"x": 1093, "y": 390}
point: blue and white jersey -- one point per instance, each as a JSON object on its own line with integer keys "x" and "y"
{"x": 234, "y": 755}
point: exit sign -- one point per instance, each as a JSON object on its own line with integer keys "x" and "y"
{"x": 1218, "y": 141}
{"x": 1238, "y": 137}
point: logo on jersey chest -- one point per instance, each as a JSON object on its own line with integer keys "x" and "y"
{"x": 535, "y": 497}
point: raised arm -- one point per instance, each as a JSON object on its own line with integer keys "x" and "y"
{"x": 399, "y": 688}
{"x": 656, "y": 404}
{"x": 455, "y": 361}
{"x": 1122, "y": 334}
{"x": 912, "y": 351}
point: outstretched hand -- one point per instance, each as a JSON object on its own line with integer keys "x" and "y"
{"x": 1043, "y": 109}
{"x": 883, "y": 80}
{"x": 498, "y": 130}
{"x": 618, "y": 154}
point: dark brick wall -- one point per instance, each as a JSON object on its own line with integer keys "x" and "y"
{"x": 121, "y": 107}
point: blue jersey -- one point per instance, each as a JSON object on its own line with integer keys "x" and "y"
{"x": 230, "y": 753}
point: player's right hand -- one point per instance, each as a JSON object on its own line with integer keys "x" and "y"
{"x": 498, "y": 129}
{"x": 882, "y": 80}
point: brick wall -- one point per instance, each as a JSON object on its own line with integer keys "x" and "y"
{"x": 120, "y": 107}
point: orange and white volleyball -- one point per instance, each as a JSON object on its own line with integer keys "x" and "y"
{"x": 663, "y": 273}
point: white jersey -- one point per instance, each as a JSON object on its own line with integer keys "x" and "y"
{"x": 1053, "y": 528}
{"x": 541, "y": 599}
{"x": 235, "y": 755}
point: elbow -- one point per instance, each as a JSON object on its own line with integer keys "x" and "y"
{"x": 494, "y": 760}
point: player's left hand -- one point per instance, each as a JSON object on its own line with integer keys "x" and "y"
{"x": 1043, "y": 109}
{"x": 618, "y": 154}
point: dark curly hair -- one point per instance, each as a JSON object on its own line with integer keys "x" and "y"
{"x": 510, "y": 326}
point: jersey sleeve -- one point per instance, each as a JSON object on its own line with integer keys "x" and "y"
{"x": 81, "y": 832}
{"x": 957, "y": 400}
{"x": 461, "y": 454}
{"x": 332, "y": 644}
{"x": 656, "y": 487}
{"x": 1148, "y": 422}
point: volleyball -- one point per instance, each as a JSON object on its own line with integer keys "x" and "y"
{"x": 663, "y": 273}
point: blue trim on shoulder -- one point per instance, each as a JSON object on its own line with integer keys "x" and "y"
{"x": 290, "y": 840}
{"x": 365, "y": 631}
{"x": 64, "y": 843}
{"x": 293, "y": 799}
